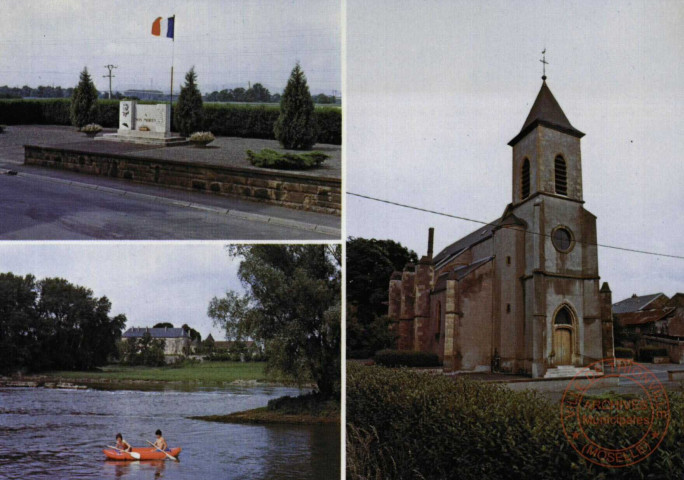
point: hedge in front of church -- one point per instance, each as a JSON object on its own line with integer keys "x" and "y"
{"x": 231, "y": 120}
{"x": 404, "y": 424}
{"x": 405, "y": 358}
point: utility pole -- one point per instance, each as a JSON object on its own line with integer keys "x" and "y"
{"x": 110, "y": 67}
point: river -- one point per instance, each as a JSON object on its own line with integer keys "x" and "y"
{"x": 53, "y": 434}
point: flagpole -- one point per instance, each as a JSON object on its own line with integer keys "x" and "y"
{"x": 173, "y": 45}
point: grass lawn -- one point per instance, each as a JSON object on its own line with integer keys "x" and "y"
{"x": 206, "y": 372}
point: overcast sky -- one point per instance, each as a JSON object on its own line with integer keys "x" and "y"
{"x": 230, "y": 42}
{"x": 435, "y": 91}
{"x": 148, "y": 282}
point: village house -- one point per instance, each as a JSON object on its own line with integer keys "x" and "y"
{"x": 520, "y": 294}
{"x": 653, "y": 320}
{"x": 176, "y": 340}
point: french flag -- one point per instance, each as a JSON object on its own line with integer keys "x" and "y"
{"x": 156, "y": 26}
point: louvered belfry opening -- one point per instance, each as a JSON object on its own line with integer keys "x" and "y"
{"x": 561, "y": 176}
{"x": 526, "y": 179}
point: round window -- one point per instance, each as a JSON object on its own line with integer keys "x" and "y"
{"x": 562, "y": 239}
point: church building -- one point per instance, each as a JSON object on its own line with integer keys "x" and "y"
{"x": 520, "y": 294}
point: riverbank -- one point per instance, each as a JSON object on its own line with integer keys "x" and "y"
{"x": 302, "y": 410}
{"x": 206, "y": 374}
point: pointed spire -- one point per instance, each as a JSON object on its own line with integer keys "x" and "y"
{"x": 547, "y": 112}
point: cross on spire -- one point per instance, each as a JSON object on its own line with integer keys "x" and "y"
{"x": 545, "y": 63}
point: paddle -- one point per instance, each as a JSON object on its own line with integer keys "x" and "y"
{"x": 170, "y": 456}
{"x": 135, "y": 455}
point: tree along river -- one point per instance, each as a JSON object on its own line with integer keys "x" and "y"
{"x": 46, "y": 433}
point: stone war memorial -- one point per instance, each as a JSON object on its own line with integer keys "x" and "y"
{"x": 520, "y": 294}
{"x": 146, "y": 124}
{"x": 144, "y": 150}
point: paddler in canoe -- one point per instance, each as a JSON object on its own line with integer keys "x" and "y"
{"x": 160, "y": 443}
{"x": 158, "y": 450}
{"x": 122, "y": 444}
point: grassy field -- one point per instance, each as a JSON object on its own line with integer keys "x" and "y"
{"x": 207, "y": 372}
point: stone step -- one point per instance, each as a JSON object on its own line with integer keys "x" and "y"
{"x": 569, "y": 371}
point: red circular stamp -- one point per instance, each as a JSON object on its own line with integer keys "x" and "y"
{"x": 615, "y": 429}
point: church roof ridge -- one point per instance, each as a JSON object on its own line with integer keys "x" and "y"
{"x": 546, "y": 111}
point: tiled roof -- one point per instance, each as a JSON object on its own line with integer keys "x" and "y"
{"x": 479, "y": 235}
{"x": 677, "y": 300}
{"x": 634, "y": 303}
{"x": 156, "y": 333}
{"x": 482, "y": 233}
{"x": 465, "y": 270}
{"x": 546, "y": 111}
{"x": 642, "y": 318}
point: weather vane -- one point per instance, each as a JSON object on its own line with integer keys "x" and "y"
{"x": 545, "y": 63}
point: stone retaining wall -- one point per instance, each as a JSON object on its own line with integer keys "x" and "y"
{"x": 304, "y": 192}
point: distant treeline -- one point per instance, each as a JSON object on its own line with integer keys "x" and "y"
{"x": 52, "y": 324}
{"x": 257, "y": 93}
{"x": 40, "y": 92}
{"x": 249, "y": 121}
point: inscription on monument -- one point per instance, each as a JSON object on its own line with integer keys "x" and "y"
{"x": 154, "y": 117}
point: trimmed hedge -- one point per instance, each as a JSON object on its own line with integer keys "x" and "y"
{"x": 268, "y": 158}
{"x": 54, "y": 111}
{"x": 406, "y": 358}
{"x": 647, "y": 353}
{"x": 623, "y": 352}
{"x": 404, "y": 424}
{"x": 227, "y": 120}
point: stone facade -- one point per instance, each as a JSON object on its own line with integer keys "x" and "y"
{"x": 520, "y": 294}
{"x": 176, "y": 340}
{"x": 304, "y": 192}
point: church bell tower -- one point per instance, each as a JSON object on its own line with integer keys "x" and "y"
{"x": 546, "y": 153}
{"x": 562, "y": 305}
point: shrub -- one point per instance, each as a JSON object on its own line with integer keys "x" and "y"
{"x": 188, "y": 113}
{"x": 329, "y": 122}
{"x": 267, "y": 158}
{"x": 91, "y": 128}
{"x": 84, "y": 101}
{"x": 359, "y": 354}
{"x": 623, "y": 352}
{"x": 406, "y": 358}
{"x": 202, "y": 137}
{"x": 218, "y": 357}
{"x": 404, "y": 424}
{"x": 647, "y": 353}
{"x": 296, "y": 126}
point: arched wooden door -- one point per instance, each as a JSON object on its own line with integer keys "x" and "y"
{"x": 562, "y": 337}
{"x": 563, "y": 340}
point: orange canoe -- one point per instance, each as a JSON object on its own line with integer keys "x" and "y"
{"x": 146, "y": 453}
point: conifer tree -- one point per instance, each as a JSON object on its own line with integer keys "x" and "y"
{"x": 188, "y": 113}
{"x": 296, "y": 126}
{"x": 84, "y": 101}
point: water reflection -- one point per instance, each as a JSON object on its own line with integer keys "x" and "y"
{"x": 142, "y": 468}
{"x": 72, "y": 427}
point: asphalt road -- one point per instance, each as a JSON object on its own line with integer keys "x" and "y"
{"x": 47, "y": 204}
{"x": 35, "y": 207}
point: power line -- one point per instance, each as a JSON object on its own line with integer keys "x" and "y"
{"x": 434, "y": 212}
